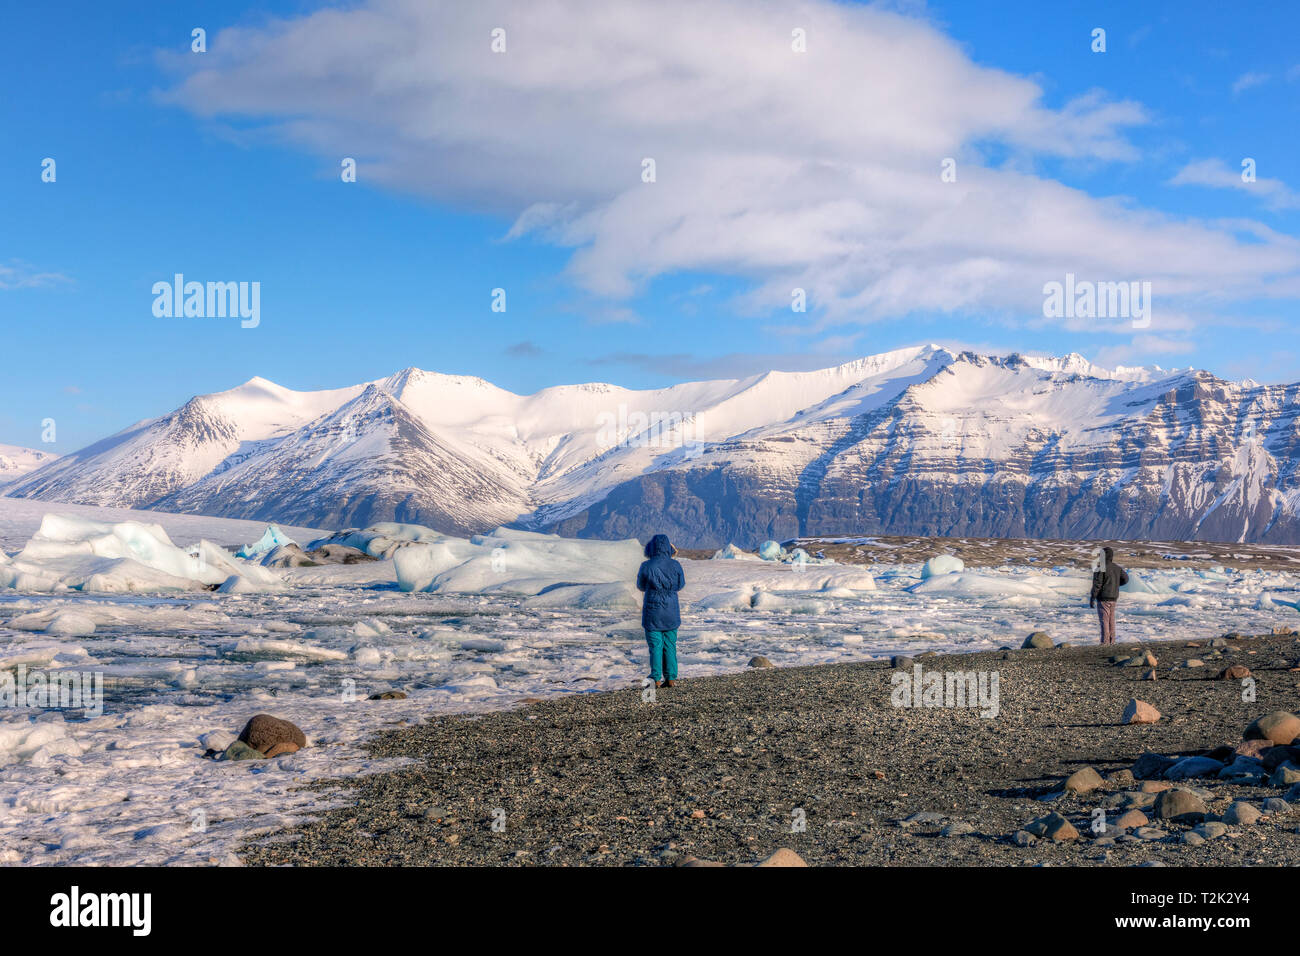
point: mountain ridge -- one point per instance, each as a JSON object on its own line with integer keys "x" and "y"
{"x": 921, "y": 440}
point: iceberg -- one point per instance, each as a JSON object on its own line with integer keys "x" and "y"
{"x": 612, "y": 596}
{"x": 1140, "y": 585}
{"x": 971, "y": 584}
{"x": 942, "y": 564}
{"x": 515, "y": 562}
{"x": 772, "y": 551}
{"x": 83, "y": 555}
{"x": 273, "y": 538}
{"x": 731, "y": 552}
{"x": 384, "y": 539}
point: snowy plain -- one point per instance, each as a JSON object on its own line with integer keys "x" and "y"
{"x": 459, "y": 625}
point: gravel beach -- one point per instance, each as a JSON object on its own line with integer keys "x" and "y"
{"x": 820, "y": 760}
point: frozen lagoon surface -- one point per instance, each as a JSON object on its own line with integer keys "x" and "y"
{"x": 481, "y": 624}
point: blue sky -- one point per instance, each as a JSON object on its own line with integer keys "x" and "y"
{"x": 225, "y": 166}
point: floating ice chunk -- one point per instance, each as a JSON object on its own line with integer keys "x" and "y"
{"x": 767, "y": 601}
{"x": 942, "y": 564}
{"x": 769, "y": 551}
{"x": 588, "y": 596}
{"x": 29, "y": 580}
{"x": 271, "y": 539}
{"x": 741, "y": 599}
{"x": 731, "y": 552}
{"x": 483, "y": 644}
{"x": 834, "y": 592}
{"x": 371, "y": 627}
{"x": 383, "y": 540}
{"x": 406, "y": 532}
{"x": 237, "y": 584}
{"x": 417, "y": 566}
{"x": 67, "y": 798}
{"x": 854, "y": 579}
{"x": 266, "y": 667}
{"x": 479, "y": 686}
{"x": 514, "y": 562}
{"x": 254, "y": 646}
{"x": 971, "y": 584}
{"x": 127, "y": 556}
{"x": 71, "y": 624}
{"x": 1273, "y": 602}
{"x": 36, "y": 743}
{"x": 1139, "y": 585}
{"x": 367, "y": 656}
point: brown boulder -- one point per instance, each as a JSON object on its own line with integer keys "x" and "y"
{"x": 1234, "y": 672}
{"x": 1053, "y": 827}
{"x": 1280, "y": 727}
{"x": 1182, "y": 805}
{"x": 263, "y": 732}
{"x": 783, "y": 857}
{"x": 1132, "y": 820}
{"x": 1083, "y": 781}
{"x": 1140, "y": 712}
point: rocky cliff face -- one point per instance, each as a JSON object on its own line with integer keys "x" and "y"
{"x": 920, "y": 441}
{"x": 1187, "y": 458}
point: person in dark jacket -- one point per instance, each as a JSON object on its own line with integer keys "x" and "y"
{"x": 661, "y": 578}
{"x": 1106, "y": 582}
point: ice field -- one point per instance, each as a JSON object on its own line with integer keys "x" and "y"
{"x": 191, "y": 641}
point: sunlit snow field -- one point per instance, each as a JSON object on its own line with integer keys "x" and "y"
{"x": 510, "y": 617}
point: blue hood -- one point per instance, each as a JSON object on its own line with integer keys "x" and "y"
{"x": 658, "y": 545}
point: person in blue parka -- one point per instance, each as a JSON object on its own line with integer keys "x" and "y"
{"x": 661, "y": 578}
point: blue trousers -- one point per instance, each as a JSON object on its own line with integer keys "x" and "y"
{"x": 663, "y": 654}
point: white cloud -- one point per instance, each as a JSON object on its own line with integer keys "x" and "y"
{"x": 1247, "y": 80}
{"x": 1219, "y": 175}
{"x": 16, "y": 274}
{"x": 819, "y": 170}
{"x": 1139, "y": 350}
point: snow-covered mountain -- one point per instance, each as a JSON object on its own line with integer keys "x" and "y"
{"x": 16, "y": 462}
{"x": 916, "y": 441}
